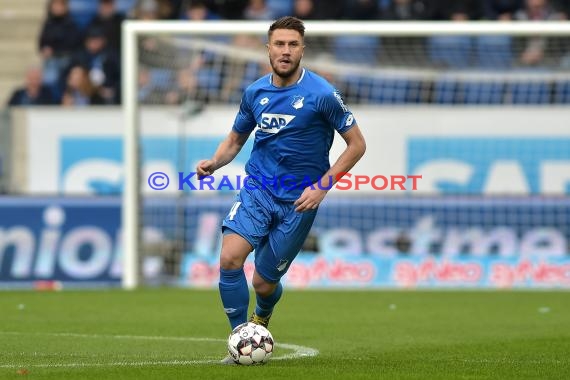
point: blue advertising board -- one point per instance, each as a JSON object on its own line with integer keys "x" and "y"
{"x": 95, "y": 164}
{"x": 364, "y": 242}
{"x": 463, "y": 242}
{"x": 72, "y": 240}
{"x": 481, "y": 165}
{"x": 309, "y": 270}
{"x": 458, "y": 165}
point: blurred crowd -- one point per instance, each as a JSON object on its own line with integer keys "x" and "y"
{"x": 80, "y": 40}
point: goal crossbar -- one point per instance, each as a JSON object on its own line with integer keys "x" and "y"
{"x": 380, "y": 28}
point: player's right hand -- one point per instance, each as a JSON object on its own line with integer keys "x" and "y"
{"x": 205, "y": 168}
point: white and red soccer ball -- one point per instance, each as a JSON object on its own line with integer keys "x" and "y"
{"x": 250, "y": 344}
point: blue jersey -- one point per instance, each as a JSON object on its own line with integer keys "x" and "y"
{"x": 296, "y": 127}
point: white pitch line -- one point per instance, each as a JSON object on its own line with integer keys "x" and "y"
{"x": 100, "y": 336}
{"x": 112, "y": 364}
{"x": 513, "y": 361}
{"x": 298, "y": 351}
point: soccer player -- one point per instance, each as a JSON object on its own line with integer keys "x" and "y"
{"x": 296, "y": 112}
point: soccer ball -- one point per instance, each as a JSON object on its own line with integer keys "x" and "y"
{"x": 250, "y": 344}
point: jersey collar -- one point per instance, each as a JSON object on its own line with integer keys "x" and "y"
{"x": 298, "y": 81}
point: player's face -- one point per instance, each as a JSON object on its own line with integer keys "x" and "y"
{"x": 285, "y": 52}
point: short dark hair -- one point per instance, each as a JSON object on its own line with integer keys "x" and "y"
{"x": 287, "y": 22}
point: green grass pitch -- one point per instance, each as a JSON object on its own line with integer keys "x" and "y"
{"x": 180, "y": 334}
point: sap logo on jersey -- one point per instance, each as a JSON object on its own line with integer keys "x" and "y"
{"x": 273, "y": 122}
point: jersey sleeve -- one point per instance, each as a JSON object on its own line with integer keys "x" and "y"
{"x": 335, "y": 112}
{"x": 244, "y": 122}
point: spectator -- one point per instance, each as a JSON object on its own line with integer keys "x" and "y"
{"x": 145, "y": 93}
{"x": 536, "y": 10}
{"x": 102, "y": 65}
{"x": 238, "y": 73}
{"x": 170, "y": 9}
{"x": 185, "y": 87}
{"x": 109, "y": 21}
{"x": 148, "y": 90}
{"x": 79, "y": 90}
{"x": 58, "y": 40}
{"x": 329, "y": 9}
{"x": 166, "y": 10}
{"x": 229, "y": 9}
{"x": 176, "y": 8}
{"x": 401, "y": 10}
{"x": 361, "y": 10}
{"x": 34, "y": 92}
{"x": 59, "y": 34}
{"x": 154, "y": 52}
{"x": 198, "y": 11}
{"x": 564, "y": 7}
{"x": 458, "y": 10}
{"x": 155, "y": 10}
{"x": 305, "y": 9}
{"x": 146, "y": 10}
{"x": 151, "y": 50}
{"x": 258, "y": 10}
{"x": 501, "y": 9}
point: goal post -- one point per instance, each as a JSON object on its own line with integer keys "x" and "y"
{"x": 131, "y": 160}
{"x": 131, "y": 51}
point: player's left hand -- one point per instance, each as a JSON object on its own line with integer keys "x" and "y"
{"x": 310, "y": 199}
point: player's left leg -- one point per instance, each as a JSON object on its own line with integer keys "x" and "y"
{"x": 267, "y": 295}
{"x": 274, "y": 256}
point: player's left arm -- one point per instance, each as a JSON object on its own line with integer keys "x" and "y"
{"x": 355, "y": 147}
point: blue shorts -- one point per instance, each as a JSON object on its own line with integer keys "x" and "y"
{"x": 273, "y": 227}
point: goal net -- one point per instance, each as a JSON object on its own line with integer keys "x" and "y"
{"x": 478, "y": 110}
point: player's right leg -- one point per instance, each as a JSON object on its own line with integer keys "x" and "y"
{"x": 246, "y": 224}
{"x": 233, "y": 287}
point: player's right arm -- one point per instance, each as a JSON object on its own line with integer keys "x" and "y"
{"x": 229, "y": 148}
{"x": 226, "y": 152}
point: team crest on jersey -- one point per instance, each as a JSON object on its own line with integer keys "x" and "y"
{"x": 273, "y": 122}
{"x": 298, "y": 101}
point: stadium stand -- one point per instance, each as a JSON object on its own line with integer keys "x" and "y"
{"x": 213, "y": 78}
{"x": 562, "y": 92}
{"x": 483, "y": 92}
